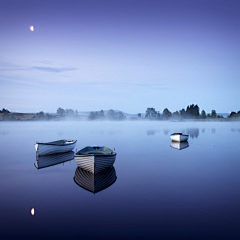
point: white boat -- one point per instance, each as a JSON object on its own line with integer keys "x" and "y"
{"x": 59, "y": 146}
{"x": 179, "y": 137}
{"x": 95, "y": 182}
{"x": 53, "y": 159}
{"x": 179, "y": 145}
{"x": 95, "y": 158}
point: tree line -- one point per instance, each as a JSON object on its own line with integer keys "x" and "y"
{"x": 60, "y": 111}
{"x": 111, "y": 115}
{"x": 67, "y": 112}
{"x": 191, "y": 112}
{"x": 234, "y": 114}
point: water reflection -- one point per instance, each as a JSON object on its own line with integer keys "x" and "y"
{"x": 213, "y": 130}
{"x": 179, "y": 145}
{"x": 166, "y": 132}
{"x": 234, "y": 129}
{"x": 193, "y": 132}
{"x": 54, "y": 159}
{"x": 152, "y": 132}
{"x": 4, "y": 133}
{"x": 95, "y": 182}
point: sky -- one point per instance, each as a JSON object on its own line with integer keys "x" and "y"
{"x": 124, "y": 55}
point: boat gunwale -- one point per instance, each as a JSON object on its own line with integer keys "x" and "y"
{"x": 55, "y": 144}
{"x": 179, "y": 134}
{"x": 94, "y": 154}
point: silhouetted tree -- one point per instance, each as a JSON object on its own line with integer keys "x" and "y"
{"x": 4, "y": 111}
{"x": 166, "y": 114}
{"x": 115, "y": 115}
{"x": 119, "y": 116}
{"x": 7, "y": 117}
{"x": 69, "y": 112}
{"x": 175, "y": 114}
{"x": 92, "y": 116}
{"x": 182, "y": 113}
{"x": 151, "y": 113}
{"x": 101, "y": 114}
{"x": 233, "y": 114}
{"x": 48, "y": 116}
{"x": 192, "y": 111}
{"x": 203, "y": 114}
{"x": 60, "y": 111}
{"x": 110, "y": 114}
{"x": 139, "y": 115}
{"x": 40, "y": 115}
{"x": 213, "y": 114}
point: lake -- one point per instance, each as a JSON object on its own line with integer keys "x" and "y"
{"x": 160, "y": 192}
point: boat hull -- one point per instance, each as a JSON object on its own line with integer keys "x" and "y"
{"x": 179, "y": 138}
{"x": 46, "y": 149}
{"x": 95, "y": 182}
{"x": 95, "y": 163}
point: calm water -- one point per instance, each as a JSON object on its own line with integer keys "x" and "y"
{"x": 160, "y": 192}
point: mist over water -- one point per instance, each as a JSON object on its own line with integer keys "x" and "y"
{"x": 155, "y": 191}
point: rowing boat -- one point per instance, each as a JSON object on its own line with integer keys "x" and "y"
{"x": 179, "y": 137}
{"x": 59, "y": 146}
{"x": 95, "y": 158}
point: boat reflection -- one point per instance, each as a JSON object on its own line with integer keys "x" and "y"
{"x": 95, "y": 182}
{"x": 54, "y": 159}
{"x": 179, "y": 145}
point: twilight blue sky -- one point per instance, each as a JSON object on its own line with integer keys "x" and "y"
{"x": 126, "y": 55}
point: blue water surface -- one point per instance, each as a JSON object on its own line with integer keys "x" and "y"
{"x": 160, "y": 192}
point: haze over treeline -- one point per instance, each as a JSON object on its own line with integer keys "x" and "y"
{"x": 191, "y": 112}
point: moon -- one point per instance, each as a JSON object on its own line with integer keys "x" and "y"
{"x": 32, "y": 211}
{"x": 31, "y": 28}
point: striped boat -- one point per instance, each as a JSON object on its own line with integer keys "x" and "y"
{"x": 179, "y": 145}
{"x": 53, "y": 159}
{"x": 59, "y": 146}
{"x": 95, "y": 182}
{"x": 179, "y": 137}
{"x": 95, "y": 158}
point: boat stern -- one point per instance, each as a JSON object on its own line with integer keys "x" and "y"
{"x": 36, "y": 146}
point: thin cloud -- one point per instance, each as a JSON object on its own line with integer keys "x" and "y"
{"x": 5, "y": 66}
{"x": 44, "y": 62}
{"x": 56, "y": 70}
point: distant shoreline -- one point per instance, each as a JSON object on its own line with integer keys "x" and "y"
{"x": 16, "y": 117}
